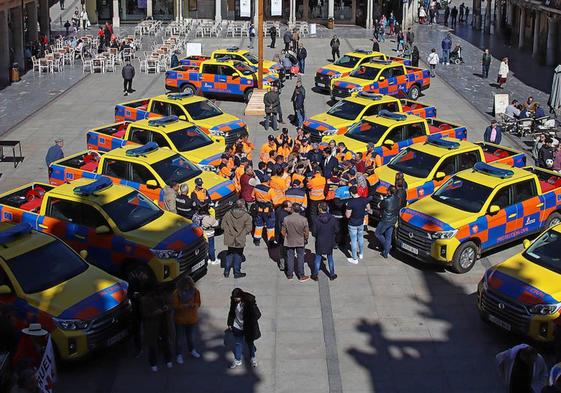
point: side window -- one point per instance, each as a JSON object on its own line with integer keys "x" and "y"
{"x": 159, "y": 139}
{"x": 468, "y": 160}
{"x": 373, "y": 110}
{"x": 4, "y": 278}
{"x": 141, "y": 174}
{"x": 226, "y": 70}
{"x": 502, "y": 198}
{"x": 116, "y": 168}
{"x": 176, "y": 110}
{"x": 397, "y": 71}
{"x": 210, "y": 69}
{"x": 391, "y": 106}
{"x": 414, "y": 131}
{"x": 448, "y": 166}
{"x": 91, "y": 217}
{"x": 387, "y": 73}
{"x": 524, "y": 190}
{"x": 161, "y": 108}
{"x": 395, "y": 135}
{"x": 64, "y": 210}
{"x": 139, "y": 136}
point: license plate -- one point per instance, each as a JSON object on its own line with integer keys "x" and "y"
{"x": 320, "y": 84}
{"x": 409, "y": 248}
{"x": 499, "y": 322}
{"x": 117, "y": 338}
{"x": 197, "y": 266}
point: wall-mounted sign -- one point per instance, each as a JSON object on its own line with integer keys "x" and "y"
{"x": 276, "y": 7}
{"x": 245, "y": 8}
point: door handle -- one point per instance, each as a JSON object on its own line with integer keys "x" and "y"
{"x": 512, "y": 215}
{"x": 539, "y": 205}
{"x": 81, "y": 237}
{"x": 43, "y": 226}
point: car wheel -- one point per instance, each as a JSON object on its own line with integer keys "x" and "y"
{"x": 189, "y": 89}
{"x": 464, "y": 257}
{"x": 553, "y": 220}
{"x": 247, "y": 95}
{"x": 414, "y": 92}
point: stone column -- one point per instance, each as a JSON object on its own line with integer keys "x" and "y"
{"x": 536, "y": 43}
{"x": 4, "y": 49}
{"x": 551, "y": 41}
{"x": 116, "y": 14}
{"x": 17, "y": 34}
{"x": 487, "y": 21}
{"x": 31, "y": 9}
{"x": 331, "y": 9}
{"x": 148, "y": 8}
{"x": 292, "y": 11}
{"x": 522, "y": 27}
{"x": 368, "y": 23}
{"x": 256, "y": 16}
{"x": 44, "y": 20}
{"x": 476, "y": 17}
{"x": 492, "y": 16}
{"x": 218, "y": 11}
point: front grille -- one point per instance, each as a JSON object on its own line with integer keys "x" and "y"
{"x": 233, "y": 135}
{"x": 414, "y": 236}
{"x": 192, "y": 255}
{"x": 108, "y": 325}
{"x": 505, "y": 309}
{"x": 224, "y": 204}
{"x": 315, "y": 135}
{"x": 340, "y": 92}
{"x": 320, "y": 78}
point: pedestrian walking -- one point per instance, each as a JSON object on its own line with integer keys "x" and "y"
{"x": 128, "y": 74}
{"x": 446, "y": 14}
{"x": 251, "y": 34}
{"x": 503, "y": 72}
{"x": 85, "y": 19}
{"x": 297, "y": 99}
{"x": 546, "y": 154}
{"x": 55, "y": 151}
{"x": 415, "y": 56}
{"x": 493, "y": 133}
{"x": 208, "y": 223}
{"x": 157, "y": 324}
{"x": 422, "y": 15}
{"x": 433, "y": 61}
{"x": 236, "y": 224}
{"x": 462, "y": 12}
{"x": 287, "y": 39}
{"x": 389, "y": 208}
{"x": 271, "y": 99}
{"x": 301, "y": 55}
{"x": 522, "y": 369}
{"x": 174, "y": 60}
{"x": 273, "y": 35}
{"x": 295, "y": 231}
{"x": 67, "y": 26}
{"x": 485, "y": 63}
{"x": 325, "y": 229}
{"x": 186, "y": 301}
{"x": 335, "y": 44}
{"x": 356, "y": 210}
{"x": 446, "y": 47}
{"x": 243, "y": 323}
{"x": 466, "y": 18}
{"x": 410, "y": 36}
{"x": 295, "y": 40}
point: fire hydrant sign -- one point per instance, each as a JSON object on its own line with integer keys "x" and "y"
{"x": 276, "y": 8}
{"x": 46, "y": 374}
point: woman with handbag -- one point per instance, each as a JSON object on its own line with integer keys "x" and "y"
{"x": 243, "y": 323}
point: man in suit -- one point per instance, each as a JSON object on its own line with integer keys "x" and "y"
{"x": 329, "y": 163}
{"x": 493, "y": 133}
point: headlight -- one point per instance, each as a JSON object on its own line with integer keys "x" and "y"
{"x": 210, "y": 168}
{"x": 356, "y": 89}
{"x": 166, "y": 254}
{"x": 334, "y": 76}
{"x": 217, "y": 133}
{"x": 71, "y": 324}
{"x": 544, "y": 309}
{"x": 329, "y": 132}
{"x": 443, "y": 234}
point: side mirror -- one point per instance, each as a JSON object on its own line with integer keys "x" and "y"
{"x": 5, "y": 290}
{"x": 381, "y": 79}
{"x": 439, "y": 176}
{"x": 494, "y": 209}
{"x": 182, "y": 117}
{"x": 235, "y": 75}
{"x": 389, "y": 143}
{"x": 84, "y": 254}
{"x": 526, "y": 243}
{"x": 152, "y": 184}
{"x": 102, "y": 230}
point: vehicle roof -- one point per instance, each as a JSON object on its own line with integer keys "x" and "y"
{"x": 102, "y": 197}
{"x": 384, "y": 99}
{"x": 389, "y": 122}
{"x": 237, "y": 51}
{"x": 164, "y": 128}
{"x": 364, "y": 53}
{"x": 221, "y": 62}
{"x": 149, "y": 158}
{"x": 23, "y": 243}
{"x": 182, "y": 100}
{"x": 441, "y": 151}
{"x": 494, "y": 181}
{"x": 381, "y": 65}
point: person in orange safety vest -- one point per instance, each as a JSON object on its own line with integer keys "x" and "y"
{"x": 266, "y": 149}
{"x": 200, "y": 194}
{"x": 316, "y": 191}
{"x": 297, "y": 194}
{"x": 264, "y": 212}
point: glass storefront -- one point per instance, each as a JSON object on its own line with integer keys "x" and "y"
{"x": 318, "y": 10}
{"x": 132, "y": 10}
{"x": 343, "y": 10}
{"x": 162, "y": 9}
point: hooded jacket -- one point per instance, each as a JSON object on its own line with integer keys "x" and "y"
{"x": 324, "y": 229}
{"x": 251, "y": 315}
{"x": 505, "y": 363}
{"x": 236, "y": 225}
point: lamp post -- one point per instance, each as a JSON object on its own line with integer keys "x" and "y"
{"x": 260, "y": 37}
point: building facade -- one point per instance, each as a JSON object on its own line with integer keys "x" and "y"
{"x": 21, "y": 21}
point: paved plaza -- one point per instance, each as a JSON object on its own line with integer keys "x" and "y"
{"x": 385, "y": 325}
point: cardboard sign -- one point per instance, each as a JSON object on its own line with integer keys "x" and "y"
{"x": 501, "y": 102}
{"x": 46, "y": 374}
{"x": 194, "y": 49}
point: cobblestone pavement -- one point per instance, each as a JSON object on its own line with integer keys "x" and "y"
{"x": 383, "y": 326}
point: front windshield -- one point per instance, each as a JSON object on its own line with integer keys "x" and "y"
{"x": 366, "y": 131}
{"x": 189, "y": 139}
{"x": 251, "y": 58}
{"x": 132, "y": 211}
{"x": 368, "y": 73}
{"x": 176, "y": 169}
{"x": 243, "y": 68}
{"x": 347, "y": 61}
{"x": 545, "y": 251}
{"x": 346, "y": 110}
{"x": 463, "y": 194}
{"x": 202, "y": 110}
{"x": 56, "y": 258}
{"x": 413, "y": 163}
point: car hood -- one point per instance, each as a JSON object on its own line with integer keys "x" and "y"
{"x": 167, "y": 232}
{"x": 431, "y": 215}
{"x": 85, "y": 296}
{"x": 350, "y": 83}
{"x": 207, "y": 155}
{"x": 322, "y": 122}
{"x": 351, "y": 144}
{"x": 387, "y": 178}
{"x": 525, "y": 282}
{"x": 224, "y": 122}
{"x": 334, "y": 71}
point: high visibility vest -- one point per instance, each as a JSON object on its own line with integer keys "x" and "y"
{"x": 248, "y": 149}
{"x": 238, "y": 175}
{"x": 263, "y": 197}
{"x": 277, "y": 196}
{"x": 201, "y": 195}
{"x": 370, "y": 161}
{"x": 297, "y": 176}
{"x": 316, "y": 187}
{"x": 372, "y": 179}
{"x": 297, "y": 195}
{"x": 278, "y": 183}
{"x": 284, "y": 151}
{"x": 225, "y": 171}
{"x": 264, "y": 155}
{"x": 305, "y": 149}
{"x": 330, "y": 189}
{"x": 344, "y": 155}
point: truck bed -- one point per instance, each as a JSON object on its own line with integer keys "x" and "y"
{"x": 549, "y": 180}
{"x": 138, "y": 104}
{"x": 87, "y": 161}
{"x": 193, "y": 60}
{"x": 418, "y": 108}
{"x": 496, "y": 153}
{"x": 27, "y": 198}
{"x": 116, "y": 130}
{"x": 436, "y": 125}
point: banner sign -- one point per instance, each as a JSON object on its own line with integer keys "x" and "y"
{"x": 46, "y": 374}
{"x": 276, "y": 7}
{"x": 245, "y": 8}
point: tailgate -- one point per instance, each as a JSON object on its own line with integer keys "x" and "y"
{"x": 505, "y": 155}
{"x": 418, "y": 108}
{"x": 103, "y": 142}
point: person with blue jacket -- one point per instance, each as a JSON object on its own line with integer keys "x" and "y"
{"x": 55, "y": 152}
{"x": 446, "y": 47}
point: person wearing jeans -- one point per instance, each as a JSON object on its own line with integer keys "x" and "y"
{"x": 185, "y": 300}
{"x": 243, "y": 323}
{"x": 293, "y": 253}
{"x": 446, "y": 48}
{"x": 389, "y": 208}
{"x": 485, "y": 64}
{"x": 234, "y": 256}
{"x": 357, "y": 207}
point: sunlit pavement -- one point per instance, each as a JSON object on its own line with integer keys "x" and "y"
{"x": 384, "y": 325}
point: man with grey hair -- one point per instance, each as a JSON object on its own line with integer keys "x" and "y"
{"x": 55, "y": 151}
{"x": 184, "y": 204}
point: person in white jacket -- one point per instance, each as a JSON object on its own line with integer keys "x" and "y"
{"x": 433, "y": 61}
{"x": 503, "y": 72}
{"x": 523, "y": 367}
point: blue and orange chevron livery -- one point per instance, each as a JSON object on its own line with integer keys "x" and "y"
{"x": 97, "y": 303}
{"x": 517, "y": 289}
{"x": 424, "y": 221}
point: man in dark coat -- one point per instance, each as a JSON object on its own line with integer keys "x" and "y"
{"x": 271, "y": 99}
{"x": 287, "y": 39}
{"x": 281, "y": 213}
{"x": 174, "y": 61}
{"x": 55, "y": 152}
{"x": 335, "y": 44}
{"x": 389, "y": 208}
{"x": 273, "y": 34}
{"x": 236, "y": 224}
{"x": 328, "y": 163}
{"x": 128, "y": 74}
{"x": 324, "y": 228}
{"x": 493, "y": 133}
{"x": 243, "y": 322}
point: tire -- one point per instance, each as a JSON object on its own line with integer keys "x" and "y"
{"x": 139, "y": 276}
{"x": 247, "y": 95}
{"x": 552, "y": 220}
{"x": 414, "y": 93}
{"x": 457, "y": 61}
{"x": 465, "y": 257}
{"x": 188, "y": 88}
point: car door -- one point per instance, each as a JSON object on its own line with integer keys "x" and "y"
{"x": 141, "y": 175}
{"x": 118, "y": 170}
{"x": 208, "y": 74}
{"x": 529, "y": 205}
{"x": 138, "y": 135}
{"x": 396, "y": 136}
{"x": 8, "y": 303}
{"x": 413, "y": 133}
{"x": 501, "y": 226}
